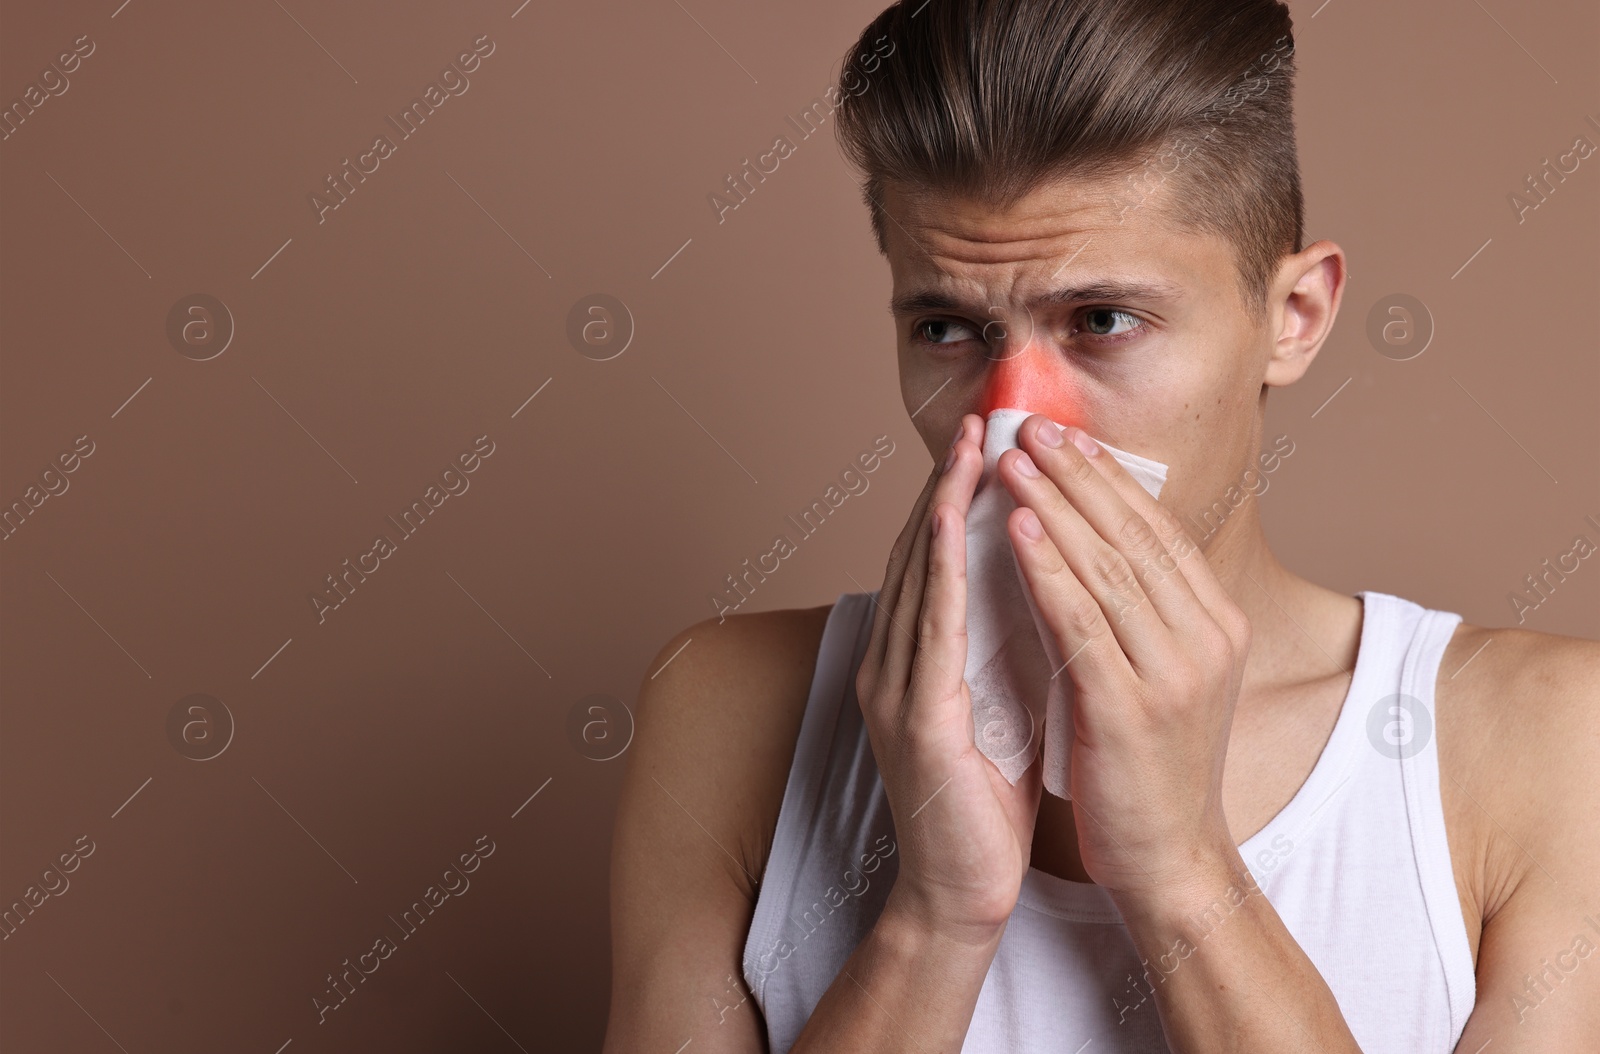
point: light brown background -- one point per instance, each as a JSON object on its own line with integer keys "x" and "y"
{"x": 377, "y": 746}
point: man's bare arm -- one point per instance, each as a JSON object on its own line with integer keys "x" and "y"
{"x": 1538, "y": 975}
{"x": 1245, "y": 985}
{"x": 906, "y": 988}
{"x": 716, "y": 724}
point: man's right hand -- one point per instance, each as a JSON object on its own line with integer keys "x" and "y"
{"x": 965, "y": 834}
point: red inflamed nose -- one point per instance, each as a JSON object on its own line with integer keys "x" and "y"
{"x": 1035, "y": 378}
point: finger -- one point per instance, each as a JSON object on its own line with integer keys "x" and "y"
{"x": 951, "y": 475}
{"x": 894, "y": 574}
{"x": 941, "y": 657}
{"x": 1098, "y": 566}
{"x": 955, "y": 486}
{"x": 888, "y": 593}
{"x": 1089, "y": 649}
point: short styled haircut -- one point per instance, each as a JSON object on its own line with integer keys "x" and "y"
{"x": 991, "y": 99}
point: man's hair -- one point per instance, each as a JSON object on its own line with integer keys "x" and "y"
{"x": 991, "y": 99}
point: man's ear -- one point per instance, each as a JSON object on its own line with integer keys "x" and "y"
{"x": 1305, "y": 301}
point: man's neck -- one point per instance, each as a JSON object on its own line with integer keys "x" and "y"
{"x": 1300, "y": 631}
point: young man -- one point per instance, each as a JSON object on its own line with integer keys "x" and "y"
{"x": 1299, "y": 820}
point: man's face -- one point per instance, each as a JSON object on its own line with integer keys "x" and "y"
{"x": 1081, "y": 302}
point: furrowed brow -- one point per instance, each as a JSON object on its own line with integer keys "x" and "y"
{"x": 1113, "y": 290}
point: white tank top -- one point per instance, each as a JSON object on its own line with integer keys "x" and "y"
{"x": 1356, "y": 865}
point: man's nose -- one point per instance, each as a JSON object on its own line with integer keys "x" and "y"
{"x": 1029, "y": 374}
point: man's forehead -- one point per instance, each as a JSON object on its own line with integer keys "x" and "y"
{"x": 1047, "y": 211}
{"x": 1067, "y": 242}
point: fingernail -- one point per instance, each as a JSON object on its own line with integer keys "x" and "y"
{"x": 1025, "y": 465}
{"x": 1081, "y": 440}
{"x": 935, "y": 530}
{"x": 1030, "y": 526}
{"x": 961, "y": 430}
{"x": 1049, "y": 434}
{"x": 949, "y": 459}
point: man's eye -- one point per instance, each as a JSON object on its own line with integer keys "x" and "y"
{"x": 932, "y": 330}
{"x": 1102, "y": 321}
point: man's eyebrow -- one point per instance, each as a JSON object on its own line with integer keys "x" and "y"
{"x": 1113, "y": 290}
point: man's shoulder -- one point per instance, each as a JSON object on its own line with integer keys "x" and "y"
{"x": 718, "y": 718}
{"x": 1522, "y": 710}
{"x": 747, "y": 669}
{"x": 737, "y": 647}
{"x": 1522, "y": 686}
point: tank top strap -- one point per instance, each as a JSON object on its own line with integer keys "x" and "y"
{"x": 1417, "y": 754}
{"x": 832, "y": 858}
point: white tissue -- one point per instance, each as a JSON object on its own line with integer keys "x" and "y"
{"x": 1011, "y": 656}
